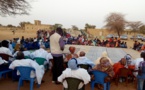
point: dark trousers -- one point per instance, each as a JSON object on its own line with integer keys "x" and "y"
{"x": 57, "y": 67}
{"x": 4, "y": 67}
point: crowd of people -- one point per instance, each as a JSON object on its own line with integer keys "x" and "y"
{"x": 138, "y": 46}
{"x": 63, "y": 66}
{"x": 82, "y": 40}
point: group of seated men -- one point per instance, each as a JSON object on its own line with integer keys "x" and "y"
{"x": 19, "y": 59}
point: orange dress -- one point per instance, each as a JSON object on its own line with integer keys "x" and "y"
{"x": 116, "y": 67}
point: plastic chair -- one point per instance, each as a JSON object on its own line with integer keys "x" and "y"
{"x": 99, "y": 78}
{"x": 85, "y": 66}
{"x": 25, "y": 75}
{"x": 5, "y": 56}
{"x": 73, "y": 83}
{"x": 124, "y": 73}
{"x": 27, "y": 57}
{"x": 5, "y": 72}
{"x": 40, "y": 60}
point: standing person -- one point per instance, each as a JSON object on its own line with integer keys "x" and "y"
{"x": 57, "y": 46}
{"x": 141, "y": 73}
{"x": 22, "y": 40}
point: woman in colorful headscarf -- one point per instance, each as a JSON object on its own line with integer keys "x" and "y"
{"x": 106, "y": 67}
{"x": 128, "y": 58}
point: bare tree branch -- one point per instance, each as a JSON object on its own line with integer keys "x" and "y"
{"x": 14, "y": 7}
{"x": 116, "y": 22}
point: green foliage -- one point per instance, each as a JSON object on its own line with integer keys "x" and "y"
{"x": 9, "y": 25}
{"x": 22, "y": 24}
{"x": 142, "y": 29}
{"x": 55, "y": 26}
{"x": 134, "y": 26}
{"x": 89, "y": 26}
{"x": 74, "y": 27}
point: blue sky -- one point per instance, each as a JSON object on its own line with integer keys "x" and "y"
{"x": 79, "y": 12}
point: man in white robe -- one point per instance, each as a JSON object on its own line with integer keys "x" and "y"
{"x": 39, "y": 70}
{"x": 25, "y": 52}
{"x": 75, "y": 72}
{"x": 5, "y": 48}
{"x": 42, "y": 53}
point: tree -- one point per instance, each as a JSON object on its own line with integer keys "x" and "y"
{"x": 142, "y": 29}
{"x": 14, "y": 7}
{"x": 74, "y": 27}
{"x": 22, "y": 24}
{"x": 9, "y": 25}
{"x": 134, "y": 26}
{"x": 115, "y": 22}
{"x": 55, "y": 26}
{"x": 1, "y": 25}
{"x": 89, "y": 26}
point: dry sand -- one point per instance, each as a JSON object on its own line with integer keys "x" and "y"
{"x": 18, "y": 34}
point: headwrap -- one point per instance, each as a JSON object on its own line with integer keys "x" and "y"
{"x": 104, "y": 54}
{"x": 127, "y": 57}
{"x": 72, "y": 64}
{"x": 72, "y": 49}
{"x": 123, "y": 61}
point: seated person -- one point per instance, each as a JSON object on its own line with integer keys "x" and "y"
{"x": 20, "y": 61}
{"x": 84, "y": 60}
{"x": 72, "y": 54}
{"x": 18, "y": 45}
{"x": 35, "y": 44}
{"x": 42, "y": 53}
{"x": 106, "y": 67}
{"x": 128, "y": 59}
{"x": 10, "y": 46}
{"x": 118, "y": 65}
{"x": 75, "y": 72}
{"x": 4, "y": 65}
{"x": 104, "y": 54}
{"x": 26, "y": 53}
{"x": 5, "y": 48}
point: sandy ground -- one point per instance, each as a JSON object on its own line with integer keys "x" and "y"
{"x": 18, "y": 34}
{"x": 7, "y": 84}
